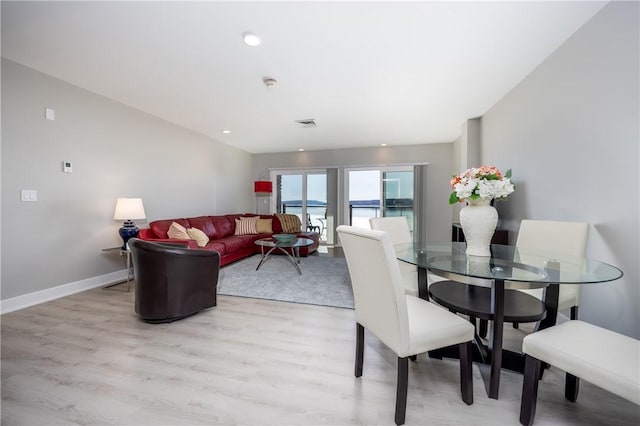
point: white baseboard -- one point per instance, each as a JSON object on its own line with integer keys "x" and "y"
{"x": 37, "y": 297}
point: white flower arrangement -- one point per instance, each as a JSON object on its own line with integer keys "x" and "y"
{"x": 483, "y": 183}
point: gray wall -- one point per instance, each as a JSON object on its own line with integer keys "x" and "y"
{"x": 570, "y": 132}
{"x": 116, "y": 151}
{"x": 466, "y": 154}
{"x": 439, "y": 171}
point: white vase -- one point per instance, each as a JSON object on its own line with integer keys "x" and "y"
{"x": 478, "y": 220}
{"x": 479, "y": 266}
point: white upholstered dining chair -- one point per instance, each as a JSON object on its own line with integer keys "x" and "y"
{"x": 569, "y": 238}
{"x": 398, "y": 229}
{"x": 406, "y": 324}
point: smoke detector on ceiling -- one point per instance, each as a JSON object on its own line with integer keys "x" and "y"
{"x": 270, "y": 82}
{"x": 309, "y": 122}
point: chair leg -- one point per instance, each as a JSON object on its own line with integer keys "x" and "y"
{"x": 529, "y": 390}
{"x": 472, "y": 320}
{"x": 359, "y": 349}
{"x": 466, "y": 374}
{"x": 401, "y": 391}
{"x": 571, "y": 387}
{"x": 574, "y": 312}
{"x": 516, "y": 325}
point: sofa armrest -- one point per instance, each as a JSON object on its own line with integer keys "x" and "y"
{"x": 146, "y": 234}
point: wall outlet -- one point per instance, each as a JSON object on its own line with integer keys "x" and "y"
{"x": 66, "y": 167}
{"x": 29, "y": 195}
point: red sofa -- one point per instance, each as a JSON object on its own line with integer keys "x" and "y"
{"x": 220, "y": 230}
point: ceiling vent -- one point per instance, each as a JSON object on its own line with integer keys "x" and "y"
{"x": 309, "y": 122}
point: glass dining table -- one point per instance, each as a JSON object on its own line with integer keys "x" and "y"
{"x": 508, "y": 267}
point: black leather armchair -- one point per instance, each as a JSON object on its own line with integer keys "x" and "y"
{"x": 171, "y": 281}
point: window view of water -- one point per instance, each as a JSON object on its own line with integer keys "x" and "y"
{"x": 360, "y": 213}
{"x": 367, "y": 190}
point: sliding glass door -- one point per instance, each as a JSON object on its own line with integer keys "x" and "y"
{"x": 397, "y": 195}
{"x": 316, "y": 203}
{"x": 289, "y": 194}
{"x": 378, "y": 192}
{"x": 305, "y": 195}
{"x": 363, "y": 189}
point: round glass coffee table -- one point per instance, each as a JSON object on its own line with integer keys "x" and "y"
{"x": 290, "y": 248}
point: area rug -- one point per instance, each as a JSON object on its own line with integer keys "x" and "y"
{"x": 324, "y": 280}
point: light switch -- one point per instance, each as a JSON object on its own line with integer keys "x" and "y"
{"x": 50, "y": 114}
{"x": 67, "y": 167}
{"x": 29, "y": 195}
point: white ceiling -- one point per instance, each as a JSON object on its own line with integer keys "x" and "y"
{"x": 368, "y": 72}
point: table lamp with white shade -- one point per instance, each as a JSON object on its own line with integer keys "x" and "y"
{"x": 128, "y": 210}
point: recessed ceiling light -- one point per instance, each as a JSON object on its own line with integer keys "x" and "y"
{"x": 301, "y": 149}
{"x": 250, "y": 39}
{"x": 226, "y": 132}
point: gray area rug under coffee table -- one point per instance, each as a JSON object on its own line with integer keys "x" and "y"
{"x": 324, "y": 280}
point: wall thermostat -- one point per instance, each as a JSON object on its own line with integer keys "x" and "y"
{"x": 50, "y": 114}
{"x": 66, "y": 166}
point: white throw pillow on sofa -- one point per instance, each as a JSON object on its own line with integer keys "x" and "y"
{"x": 178, "y": 232}
{"x": 199, "y": 236}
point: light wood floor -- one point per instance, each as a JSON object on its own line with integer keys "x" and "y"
{"x": 87, "y": 359}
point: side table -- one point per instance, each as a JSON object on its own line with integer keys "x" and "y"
{"x": 128, "y": 264}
